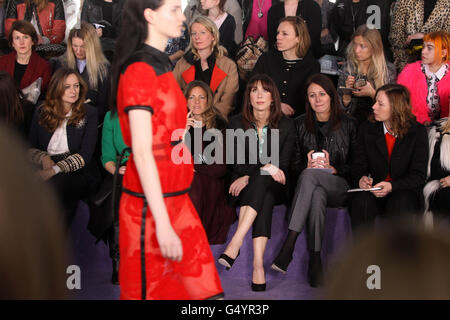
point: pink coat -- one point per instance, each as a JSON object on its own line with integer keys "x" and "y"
{"x": 414, "y": 79}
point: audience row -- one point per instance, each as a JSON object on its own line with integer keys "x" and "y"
{"x": 362, "y": 134}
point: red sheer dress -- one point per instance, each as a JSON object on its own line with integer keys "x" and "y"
{"x": 147, "y": 83}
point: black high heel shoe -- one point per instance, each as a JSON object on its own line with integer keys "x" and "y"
{"x": 281, "y": 264}
{"x": 226, "y": 261}
{"x": 258, "y": 287}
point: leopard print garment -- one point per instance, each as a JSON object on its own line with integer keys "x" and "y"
{"x": 408, "y": 20}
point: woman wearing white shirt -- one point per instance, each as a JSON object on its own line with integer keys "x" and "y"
{"x": 63, "y": 135}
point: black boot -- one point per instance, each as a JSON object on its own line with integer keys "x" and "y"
{"x": 315, "y": 271}
{"x": 283, "y": 259}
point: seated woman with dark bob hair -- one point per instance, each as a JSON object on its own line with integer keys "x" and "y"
{"x": 63, "y": 135}
{"x": 261, "y": 159}
{"x": 23, "y": 64}
{"x": 326, "y": 139}
{"x": 392, "y": 155}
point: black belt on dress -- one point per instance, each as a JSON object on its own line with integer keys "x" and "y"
{"x": 165, "y": 195}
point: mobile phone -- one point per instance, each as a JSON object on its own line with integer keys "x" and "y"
{"x": 347, "y": 90}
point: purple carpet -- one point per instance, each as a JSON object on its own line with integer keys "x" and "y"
{"x": 95, "y": 263}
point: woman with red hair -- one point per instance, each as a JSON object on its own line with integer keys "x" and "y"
{"x": 428, "y": 80}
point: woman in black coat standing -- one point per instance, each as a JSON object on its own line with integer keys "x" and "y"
{"x": 326, "y": 142}
{"x": 290, "y": 64}
{"x": 308, "y": 10}
{"x": 392, "y": 154}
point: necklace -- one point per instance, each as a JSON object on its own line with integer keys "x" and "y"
{"x": 260, "y": 5}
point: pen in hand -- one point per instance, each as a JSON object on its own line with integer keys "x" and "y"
{"x": 369, "y": 177}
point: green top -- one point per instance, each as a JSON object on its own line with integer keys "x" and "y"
{"x": 112, "y": 140}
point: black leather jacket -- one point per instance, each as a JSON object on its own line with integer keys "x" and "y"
{"x": 92, "y": 13}
{"x": 339, "y": 143}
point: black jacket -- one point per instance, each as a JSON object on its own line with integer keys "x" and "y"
{"x": 310, "y": 11}
{"x": 92, "y": 13}
{"x": 80, "y": 139}
{"x": 344, "y": 21}
{"x": 290, "y": 80}
{"x": 408, "y": 163}
{"x": 241, "y": 144}
{"x": 99, "y": 97}
{"x": 340, "y": 144}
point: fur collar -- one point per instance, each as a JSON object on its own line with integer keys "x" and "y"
{"x": 434, "y": 185}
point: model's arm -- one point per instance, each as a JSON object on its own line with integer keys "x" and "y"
{"x": 141, "y": 137}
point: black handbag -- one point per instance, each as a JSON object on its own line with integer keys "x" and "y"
{"x": 104, "y": 191}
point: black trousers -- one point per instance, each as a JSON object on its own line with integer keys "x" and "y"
{"x": 262, "y": 193}
{"x": 365, "y": 206}
{"x": 70, "y": 188}
{"x": 440, "y": 202}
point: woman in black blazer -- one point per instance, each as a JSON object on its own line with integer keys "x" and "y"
{"x": 63, "y": 135}
{"x": 258, "y": 175}
{"x": 290, "y": 64}
{"x": 392, "y": 154}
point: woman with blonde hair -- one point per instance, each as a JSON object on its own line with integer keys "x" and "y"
{"x": 206, "y": 60}
{"x": 428, "y": 80}
{"x": 63, "y": 135}
{"x": 364, "y": 71}
{"x": 214, "y": 9}
{"x": 84, "y": 54}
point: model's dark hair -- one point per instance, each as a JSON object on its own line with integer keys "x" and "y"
{"x": 10, "y": 100}
{"x": 275, "y": 108}
{"x": 130, "y": 38}
{"x": 335, "y": 106}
